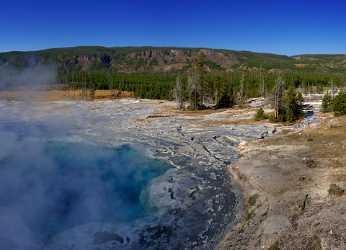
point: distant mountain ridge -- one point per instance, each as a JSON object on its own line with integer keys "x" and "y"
{"x": 168, "y": 59}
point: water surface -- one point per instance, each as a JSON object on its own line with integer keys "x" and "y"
{"x": 48, "y": 186}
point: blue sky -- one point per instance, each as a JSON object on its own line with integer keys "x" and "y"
{"x": 284, "y": 27}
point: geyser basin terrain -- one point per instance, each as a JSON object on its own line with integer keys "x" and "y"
{"x": 195, "y": 200}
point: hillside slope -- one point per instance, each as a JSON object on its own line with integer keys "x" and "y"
{"x": 148, "y": 59}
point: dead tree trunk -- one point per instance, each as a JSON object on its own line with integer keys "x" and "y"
{"x": 242, "y": 90}
{"x": 333, "y": 89}
{"x": 278, "y": 97}
{"x": 194, "y": 90}
{"x": 179, "y": 93}
{"x": 262, "y": 82}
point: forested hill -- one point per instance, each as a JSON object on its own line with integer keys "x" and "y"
{"x": 153, "y": 73}
{"x": 155, "y": 59}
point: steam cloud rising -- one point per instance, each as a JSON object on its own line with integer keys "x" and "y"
{"x": 36, "y": 76}
{"x": 48, "y": 185}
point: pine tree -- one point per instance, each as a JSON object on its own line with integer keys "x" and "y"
{"x": 293, "y": 105}
{"x": 327, "y": 103}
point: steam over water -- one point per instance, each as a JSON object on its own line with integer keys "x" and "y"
{"x": 49, "y": 185}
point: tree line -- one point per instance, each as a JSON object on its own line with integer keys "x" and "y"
{"x": 201, "y": 87}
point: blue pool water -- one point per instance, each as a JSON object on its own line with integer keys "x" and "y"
{"x": 47, "y": 186}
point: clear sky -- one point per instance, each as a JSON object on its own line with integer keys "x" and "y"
{"x": 278, "y": 26}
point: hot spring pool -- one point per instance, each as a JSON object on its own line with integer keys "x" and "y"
{"x": 48, "y": 187}
{"x": 63, "y": 186}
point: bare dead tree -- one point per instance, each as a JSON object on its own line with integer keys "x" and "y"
{"x": 84, "y": 87}
{"x": 333, "y": 89}
{"x": 179, "y": 93}
{"x": 194, "y": 90}
{"x": 278, "y": 94}
{"x": 262, "y": 82}
{"x": 241, "y": 94}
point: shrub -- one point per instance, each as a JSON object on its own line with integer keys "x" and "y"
{"x": 272, "y": 118}
{"x": 260, "y": 115}
{"x": 327, "y": 103}
{"x": 339, "y": 104}
{"x": 253, "y": 199}
{"x": 335, "y": 190}
{"x": 226, "y": 101}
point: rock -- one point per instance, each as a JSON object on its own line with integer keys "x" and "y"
{"x": 314, "y": 243}
{"x": 263, "y": 135}
{"x": 305, "y": 202}
{"x": 271, "y": 229}
{"x": 334, "y": 123}
{"x": 302, "y": 178}
{"x": 104, "y": 237}
{"x": 335, "y": 190}
{"x": 92, "y": 236}
{"x": 310, "y": 163}
{"x": 274, "y": 130}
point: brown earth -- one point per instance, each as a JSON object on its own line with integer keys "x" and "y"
{"x": 57, "y": 95}
{"x": 293, "y": 189}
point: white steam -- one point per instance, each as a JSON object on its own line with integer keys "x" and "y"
{"x": 31, "y": 77}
